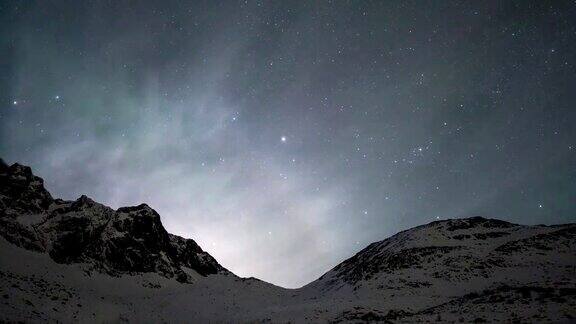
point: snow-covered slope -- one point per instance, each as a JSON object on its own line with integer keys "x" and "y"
{"x": 463, "y": 269}
{"x": 80, "y": 261}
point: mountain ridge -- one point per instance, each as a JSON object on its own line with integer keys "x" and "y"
{"x": 86, "y": 231}
{"x": 123, "y": 264}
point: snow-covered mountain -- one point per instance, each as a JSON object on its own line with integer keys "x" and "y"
{"x": 466, "y": 270}
{"x": 80, "y": 261}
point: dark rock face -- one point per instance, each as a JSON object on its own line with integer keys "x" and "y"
{"x": 21, "y": 191}
{"x": 135, "y": 241}
{"x": 128, "y": 240}
{"x": 188, "y": 253}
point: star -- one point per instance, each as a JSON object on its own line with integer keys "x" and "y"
{"x": 361, "y": 136}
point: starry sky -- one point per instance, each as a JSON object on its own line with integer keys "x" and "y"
{"x": 285, "y": 136}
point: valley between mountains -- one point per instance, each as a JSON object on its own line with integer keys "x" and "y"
{"x": 81, "y": 261}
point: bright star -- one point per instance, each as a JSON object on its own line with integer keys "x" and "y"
{"x": 283, "y": 138}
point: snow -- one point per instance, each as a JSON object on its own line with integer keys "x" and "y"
{"x": 463, "y": 270}
{"x": 34, "y": 288}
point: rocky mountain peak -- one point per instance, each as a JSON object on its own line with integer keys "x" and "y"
{"x": 84, "y": 201}
{"x": 21, "y": 191}
{"x": 126, "y": 240}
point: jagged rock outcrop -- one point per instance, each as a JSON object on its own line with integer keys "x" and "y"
{"x": 21, "y": 191}
{"x": 127, "y": 240}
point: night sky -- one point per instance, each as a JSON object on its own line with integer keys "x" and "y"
{"x": 285, "y": 136}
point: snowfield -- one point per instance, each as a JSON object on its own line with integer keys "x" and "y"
{"x": 80, "y": 261}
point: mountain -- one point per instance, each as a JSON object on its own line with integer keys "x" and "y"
{"x": 80, "y": 261}
{"x": 127, "y": 240}
{"x": 472, "y": 269}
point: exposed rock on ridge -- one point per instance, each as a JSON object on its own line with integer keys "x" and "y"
{"x": 127, "y": 240}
